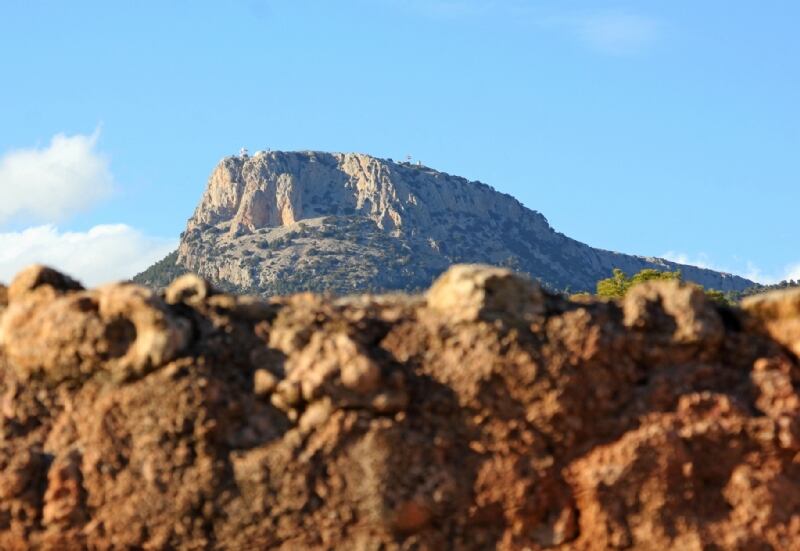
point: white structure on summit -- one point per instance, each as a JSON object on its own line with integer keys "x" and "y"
{"x": 243, "y": 152}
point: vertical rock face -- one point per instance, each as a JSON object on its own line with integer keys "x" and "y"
{"x": 278, "y": 189}
{"x": 278, "y": 222}
{"x": 484, "y": 414}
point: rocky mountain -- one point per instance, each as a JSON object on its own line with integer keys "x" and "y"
{"x": 280, "y": 222}
{"x": 485, "y": 414}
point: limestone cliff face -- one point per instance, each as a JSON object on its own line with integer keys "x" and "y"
{"x": 278, "y": 189}
{"x": 278, "y": 222}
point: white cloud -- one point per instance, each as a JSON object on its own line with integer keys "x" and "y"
{"x": 747, "y": 268}
{"x": 755, "y": 273}
{"x": 104, "y": 253}
{"x": 616, "y": 33}
{"x": 47, "y": 184}
{"x": 701, "y": 260}
{"x": 792, "y": 272}
{"x": 609, "y": 32}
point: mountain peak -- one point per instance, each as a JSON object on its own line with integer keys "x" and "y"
{"x": 278, "y": 222}
{"x": 272, "y": 189}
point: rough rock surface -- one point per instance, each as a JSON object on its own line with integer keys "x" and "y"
{"x": 486, "y": 414}
{"x": 281, "y": 222}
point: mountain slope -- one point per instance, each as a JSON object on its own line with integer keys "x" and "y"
{"x": 281, "y": 222}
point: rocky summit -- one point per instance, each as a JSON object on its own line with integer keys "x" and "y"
{"x": 282, "y": 222}
{"x": 483, "y": 414}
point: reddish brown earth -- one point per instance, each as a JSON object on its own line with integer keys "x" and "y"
{"x": 484, "y": 415}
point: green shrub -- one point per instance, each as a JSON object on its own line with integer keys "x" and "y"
{"x": 619, "y": 284}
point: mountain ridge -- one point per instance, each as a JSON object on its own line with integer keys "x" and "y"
{"x": 279, "y": 222}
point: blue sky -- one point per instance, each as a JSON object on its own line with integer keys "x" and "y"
{"x": 656, "y": 128}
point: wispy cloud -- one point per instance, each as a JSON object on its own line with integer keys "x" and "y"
{"x": 614, "y": 32}
{"x": 701, "y": 260}
{"x": 747, "y": 268}
{"x": 102, "y": 254}
{"x": 52, "y": 182}
{"x": 792, "y": 272}
{"x": 448, "y": 8}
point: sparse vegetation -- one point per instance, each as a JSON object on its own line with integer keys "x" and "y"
{"x": 161, "y": 273}
{"x": 619, "y": 284}
{"x": 759, "y": 289}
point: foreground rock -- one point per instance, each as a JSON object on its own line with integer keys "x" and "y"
{"x": 484, "y": 415}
